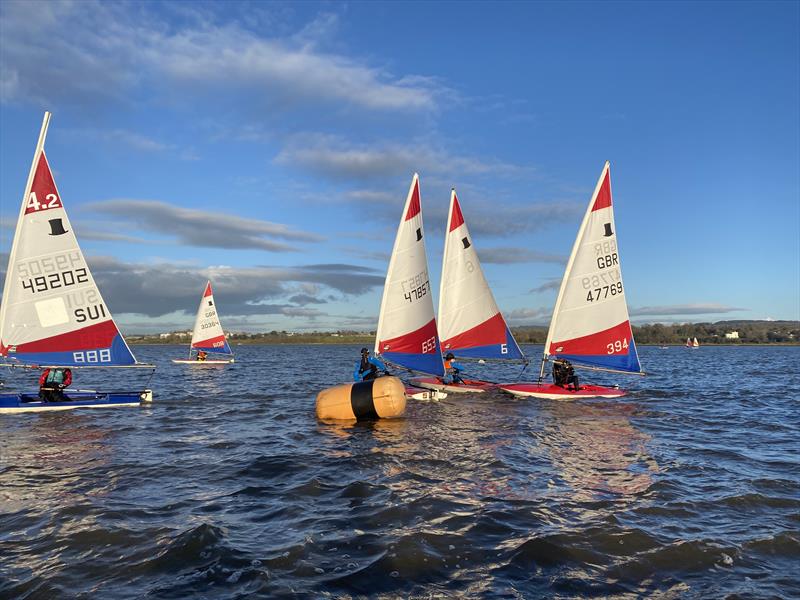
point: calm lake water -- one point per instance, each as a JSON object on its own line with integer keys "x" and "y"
{"x": 227, "y": 486}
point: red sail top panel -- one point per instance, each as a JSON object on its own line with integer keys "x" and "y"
{"x": 413, "y": 207}
{"x": 456, "y": 218}
{"x": 603, "y": 199}
{"x": 43, "y": 195}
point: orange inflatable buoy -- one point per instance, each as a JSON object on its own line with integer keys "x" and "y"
{"x": 383, "y": 397}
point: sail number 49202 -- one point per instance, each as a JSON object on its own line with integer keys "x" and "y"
{"x": 617, "y": 346}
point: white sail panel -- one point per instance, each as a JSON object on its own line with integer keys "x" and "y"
{"x": 470, "y": 322}
{"x": 208, "y": 334}
{"x": 407, "y": 333}
{"x": 53, "y": 312}
{"x": 590, "y": 323}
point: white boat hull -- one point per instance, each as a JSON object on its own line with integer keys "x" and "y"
{"x": 202, "y": 363}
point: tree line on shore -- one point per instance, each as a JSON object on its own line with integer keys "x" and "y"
{"x": 749, "y": 332}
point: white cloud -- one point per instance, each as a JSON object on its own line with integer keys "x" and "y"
{"x": 508, "y": 255}
{"x": 111, "y": 49}
{"x": 685, "y": 309}
{"x": 202, "y": 228}
{"x": 337, "y": 158}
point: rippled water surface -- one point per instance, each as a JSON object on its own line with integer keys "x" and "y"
{"x": 227, "y": 486}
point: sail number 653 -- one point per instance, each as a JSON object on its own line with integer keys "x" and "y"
{"x": 429, "y": 345}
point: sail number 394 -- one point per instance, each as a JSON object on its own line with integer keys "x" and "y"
{"x": 617, "y": 346}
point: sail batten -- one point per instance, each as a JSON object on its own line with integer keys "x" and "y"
{"x": 407, "y": 335}
{"x": 590, "y": 323}
{"x": 470, "y": 322}
{"x": 52, "y": 310}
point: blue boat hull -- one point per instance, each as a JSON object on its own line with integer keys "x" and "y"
{"x": 30, "y": 402}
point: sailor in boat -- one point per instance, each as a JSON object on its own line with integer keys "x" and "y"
{"x": 201, "y": 356}
{"x": 452, "y": 369}
{"x": 564, "y": 374}
{"x": 52, "y": 383}
{"x": 367, "y": 368}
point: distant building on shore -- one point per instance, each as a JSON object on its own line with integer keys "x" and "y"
{"x": 733, "y": 335}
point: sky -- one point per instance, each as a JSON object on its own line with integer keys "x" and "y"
{"x": 269, "y": 147}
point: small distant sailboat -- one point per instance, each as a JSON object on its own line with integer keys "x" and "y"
{"x": 208, "y": 336}
{"x": 53, "y": 314}
{"x": 590, "y": 326}
{"x": 689, "y": 342}
{"x": 470, "y": 322}
{"x": 695, "y": 343}
{"x": 407, "y": 334}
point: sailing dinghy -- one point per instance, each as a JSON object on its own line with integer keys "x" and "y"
{"x": 53, "y": 314}
{"x": 470, "y": 323}
{"x": 208, "y": 335}
{"x": 407, "y": 334}
{"x": 590, "y": 326}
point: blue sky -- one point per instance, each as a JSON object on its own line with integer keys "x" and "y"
{"x": 270, "y": 146}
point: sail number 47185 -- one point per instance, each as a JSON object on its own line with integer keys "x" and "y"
{"x": 617, "y": 346}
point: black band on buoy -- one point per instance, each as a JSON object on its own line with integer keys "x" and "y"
{"x": 361, "y": 400}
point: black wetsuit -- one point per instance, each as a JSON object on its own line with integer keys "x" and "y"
{"x": 564, "y": 374}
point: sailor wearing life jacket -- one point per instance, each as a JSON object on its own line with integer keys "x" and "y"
{"x": 52, "y": 382}
{"x": 367, "y": 368}
{"x": 564, "y": 374}
{"x": 452, "y": 369}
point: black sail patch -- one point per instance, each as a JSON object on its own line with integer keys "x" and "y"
{"x": 56, "y": 227}
{"x": 466, "y": 243}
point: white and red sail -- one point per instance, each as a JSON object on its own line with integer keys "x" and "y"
{"x": 52, "y": 311}
{"x": 407, "y": 333}
{"x": 470, "y": 322}
{"x": 590, "y": 324}
{"x": 208, "y": 335}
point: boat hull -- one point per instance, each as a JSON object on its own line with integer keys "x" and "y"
{"x": 415, "y": 393}
{"x": 30, "y": 402}
{"x": 470, "y": 386}
{"x": 202, "y": 363}
{"x": 549, "y": 391}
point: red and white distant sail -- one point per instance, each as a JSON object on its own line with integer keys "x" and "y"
{"x": 470, "y": 322}
{"x": 590, "y": 323}
{"x": 407, "y": 333}
{"x": 52, "y": 311}
{"x": 208, "y": 335}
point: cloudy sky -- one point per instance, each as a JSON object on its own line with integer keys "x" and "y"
{"x": 269, "y": 147}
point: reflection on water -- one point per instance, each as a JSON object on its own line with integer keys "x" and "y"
{"x": 596, "y": 450}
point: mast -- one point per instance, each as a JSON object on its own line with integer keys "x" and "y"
{"x": 25, "y": 196}
{"x": 575, "y": 246}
